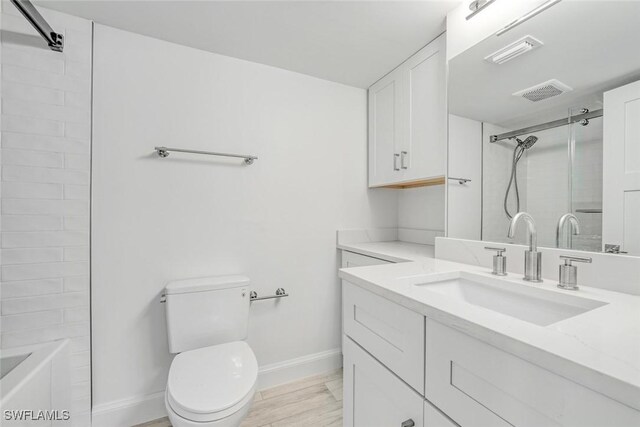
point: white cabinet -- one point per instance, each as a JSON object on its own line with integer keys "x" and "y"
{"x": 385, "y": 141}
{"x": 621, "y": 168}
{"x": 391, "y": 333}
{"x": 466, "y": 381}
{"x": 477, "y": 384}
{"x": 425, "y": 144}
{"x": 433, "y": 417}
{"x": 373, "y": 396}
{"x": 407, "y": 120}
{"x": 352, "y": 259}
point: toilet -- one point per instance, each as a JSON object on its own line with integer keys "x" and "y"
{"x": 212, "y": 379}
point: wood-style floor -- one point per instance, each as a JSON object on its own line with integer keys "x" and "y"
{"x": 314, "y": 401}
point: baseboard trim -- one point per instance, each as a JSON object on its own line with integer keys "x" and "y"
{"x": 301, "y": 367}
{"x": 129, "y": 412}
{"x": 140, "y": 409}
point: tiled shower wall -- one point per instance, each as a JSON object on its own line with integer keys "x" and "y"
{"x": 46, "y": 157}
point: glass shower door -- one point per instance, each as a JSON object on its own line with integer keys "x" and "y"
{"x": 585, "y": 181}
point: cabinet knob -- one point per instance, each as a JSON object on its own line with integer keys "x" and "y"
{"x": 408, "y": 423}
{"x": 396, "y": 156}
{"x": 403, "y": 160}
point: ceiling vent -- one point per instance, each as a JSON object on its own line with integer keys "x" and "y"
{"x": 543, "y": 91}
{"x": 515, "y": 49}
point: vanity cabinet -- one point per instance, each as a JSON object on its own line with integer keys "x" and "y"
{"x": 477, "y": 384}
{"x": 400, "y": 366}
{"x": 407, "y": 120}
{"x": 374, "y": 396}
{"x": 389, "y": 332}
{"x": 433, "y": 417}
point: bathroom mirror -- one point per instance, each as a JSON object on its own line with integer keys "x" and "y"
{"x": 558, "y": 99}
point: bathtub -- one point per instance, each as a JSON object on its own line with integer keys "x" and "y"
{"x": 35, "y": 386}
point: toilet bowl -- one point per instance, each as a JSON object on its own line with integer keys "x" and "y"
{"x": 211, "y": 386}
{"x": 212, "y": 379}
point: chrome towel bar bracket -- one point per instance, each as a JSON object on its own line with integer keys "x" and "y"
{"x": 280, "y": 293}
{"x": 460, "y": 180}
{"x": 164, "y": 152}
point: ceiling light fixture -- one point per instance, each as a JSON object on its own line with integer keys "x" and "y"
{"x": 513, "y": 50}
{"x": 528, "y": 16}
{"x": 478, "y": 6}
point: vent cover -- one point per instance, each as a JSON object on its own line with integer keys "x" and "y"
{"x": 543, "y": 91}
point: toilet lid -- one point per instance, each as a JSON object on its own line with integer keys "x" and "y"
{"x": 211, "y": 379}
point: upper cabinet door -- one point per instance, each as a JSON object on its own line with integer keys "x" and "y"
{"x": 407, "y": 120}
{"x": 424, "y": 151}
{"x": 384, "y": 130}
{"x": 621, "y": 168}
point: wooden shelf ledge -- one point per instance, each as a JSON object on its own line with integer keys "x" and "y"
{"x": 439, "y": 180}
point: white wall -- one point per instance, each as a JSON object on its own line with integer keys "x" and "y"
{"x": 464, "y": 201}
{"x": 156, "y": 220}
{"x": 46, "y": 144}
{"x": 421, "y": 214}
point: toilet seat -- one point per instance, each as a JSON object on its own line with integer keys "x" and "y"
{"x": 213, "y": 382}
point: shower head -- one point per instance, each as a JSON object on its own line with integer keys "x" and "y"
{"x": 528, "y": 141}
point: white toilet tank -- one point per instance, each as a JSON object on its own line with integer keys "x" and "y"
{"x": 206, "y": 311}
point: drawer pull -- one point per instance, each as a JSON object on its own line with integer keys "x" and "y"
{"x": 408, "y": 423}
{"x": 396, "y": 156}
{"x": 403, "y": 159}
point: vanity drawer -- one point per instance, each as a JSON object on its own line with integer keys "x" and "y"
{"x": 391, "y": 333}
{"x": 373, "y": 396}
{"x": 477, "y": 384}
{"x": 351, "y": 259}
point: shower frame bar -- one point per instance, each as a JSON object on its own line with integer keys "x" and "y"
{"x": 29, "y": 11}
{"x": 549, "y": 125}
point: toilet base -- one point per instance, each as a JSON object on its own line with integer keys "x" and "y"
{"x": 232, "y": 420}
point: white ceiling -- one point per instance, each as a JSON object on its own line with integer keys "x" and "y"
{"x": 590, "y": 46}
{"x": 351, "y": 42}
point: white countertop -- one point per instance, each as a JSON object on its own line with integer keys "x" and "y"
{"x": 599, "y": 349}
{"x": 395, "y": 251}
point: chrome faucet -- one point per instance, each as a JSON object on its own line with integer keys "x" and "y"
{"x": 573, "y": 223}
{"x": 568, "y": 273}
{"x": 532, "y": 258}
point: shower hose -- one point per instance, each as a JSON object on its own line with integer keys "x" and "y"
{"x": 513, "y": 180}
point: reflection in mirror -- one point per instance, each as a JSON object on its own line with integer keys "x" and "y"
{"x": 558, "y": 98}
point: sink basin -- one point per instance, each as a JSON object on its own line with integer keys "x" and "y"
{"x": 535, "y": 305}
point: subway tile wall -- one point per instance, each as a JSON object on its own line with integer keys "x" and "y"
{"x": 46, "y": 157}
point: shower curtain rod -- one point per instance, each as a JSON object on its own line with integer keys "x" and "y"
{"x": 549, "y": 125}
{"x": 53, "y": 39}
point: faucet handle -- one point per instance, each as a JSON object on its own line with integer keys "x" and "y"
{"x": 499, "y": 251}
{"x": 569, "y": 273}
{"x": 568, "y": 259}
{"x": 499, "y": 261}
